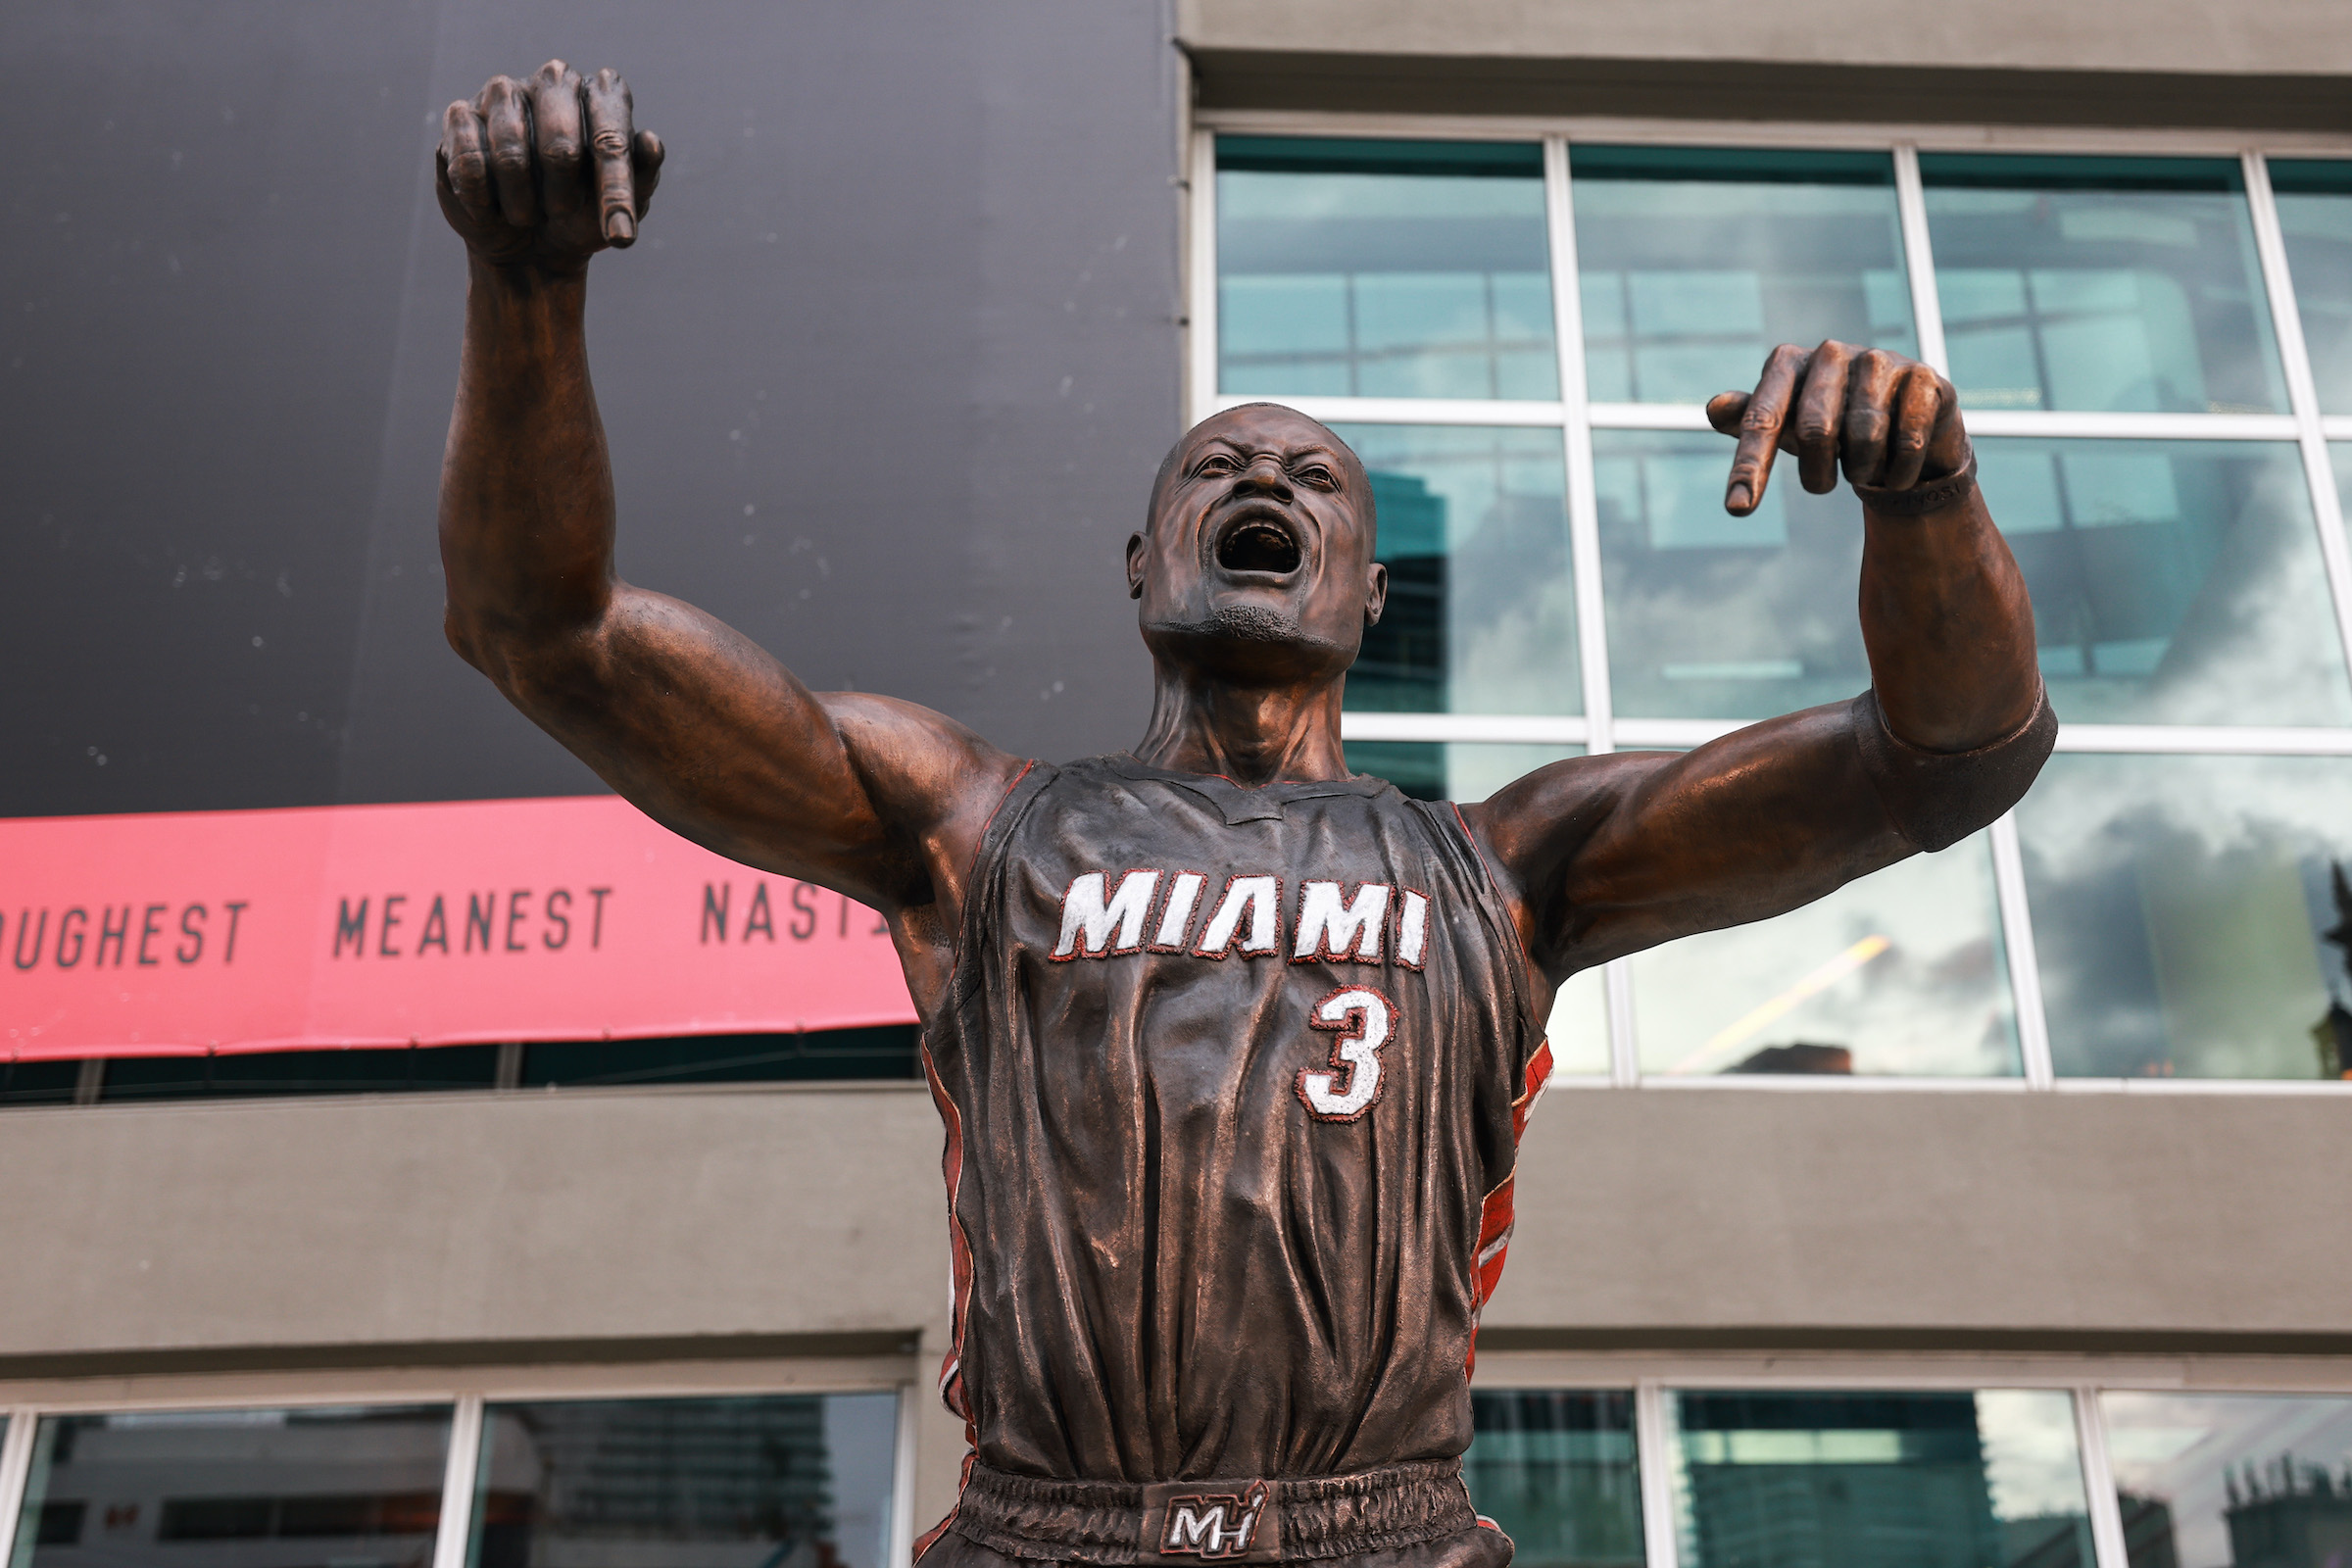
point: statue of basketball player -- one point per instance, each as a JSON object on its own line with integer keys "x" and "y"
{"x": 1232, "y": 1045}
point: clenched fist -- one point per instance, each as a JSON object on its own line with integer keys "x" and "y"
{"x": 1890, "y": 422}
{"x": 545, "y": 172}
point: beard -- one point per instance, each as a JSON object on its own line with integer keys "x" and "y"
{"x": 1240, "y": 623}
{"x": 1252, "y": 644}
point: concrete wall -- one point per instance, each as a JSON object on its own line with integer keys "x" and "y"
{"x": 2276, "y": 64}
{"x": 627, "y": 1227}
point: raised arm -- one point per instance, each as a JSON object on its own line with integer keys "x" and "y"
{"x": 1613, "y": 853}
{"x": 680, "y": 713}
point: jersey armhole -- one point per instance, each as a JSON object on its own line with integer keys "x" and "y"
{"x": 1033, "y": 777}
{"x": 1538, "y": 1026}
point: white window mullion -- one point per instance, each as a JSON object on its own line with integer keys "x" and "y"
{"x": 1584, "y": 544}
{"x": 455, "y": 1530}
{"x": 1653, "y": 1458}
{"x": 15, "y": 1469}
{"x": 2098, "y": 1480}
{"x": 901, "y": 1481}
{"x": 1201, "y": 266}
{"x": 1919, "y": 260}
{"x": 2025, "y": 962}
{"x": 2311, "y": 434}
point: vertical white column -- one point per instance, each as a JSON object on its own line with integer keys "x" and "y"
{"x": 2302, "y": 393}
{"x": 1919, "y": 259}
{"x": 2024, "y": 960}
{"x": 1653, "y": 1453}
{"x": 2098, "y": 1477}
{"x": 1200, "y": 280}
{"x": 16, "y": 1468}
{"x": 1584, "y": 541}
{"x": 457, "y": 1483}
{"x": 901, "y": 1478}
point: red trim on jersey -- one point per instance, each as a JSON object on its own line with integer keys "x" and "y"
{"x": 1495, "y": 1217}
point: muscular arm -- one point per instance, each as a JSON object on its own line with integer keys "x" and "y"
{"x": 1611, "y": 854}
{"x": 679, "y": 713}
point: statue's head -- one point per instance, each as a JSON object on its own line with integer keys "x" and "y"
{"x": 1254, "y": 565}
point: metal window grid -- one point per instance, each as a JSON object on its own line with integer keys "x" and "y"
{"x": 1600, "y": 728}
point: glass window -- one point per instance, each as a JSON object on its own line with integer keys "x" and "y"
{"x": 2192, "y": 914}
{"x": 1379, "y": 269}
{"x": 1717, "y": 617}
{"x": 2315, "y": 211}
{"x": 1481, "y": 616}
{"x": 1555, "y": 1468}
{"x": 1901, "y": 972}
{"x": 793, "y": 1481}
{"x": 2254, "y": 1481}
{"x": 2173, "y": 582}
{"x": 1694, "y": 261}
{"x": 260, "y": 1488}
{"x": 1879, "y": 1480}
{"x": 2122, "y": 284}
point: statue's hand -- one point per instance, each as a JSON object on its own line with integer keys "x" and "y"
{"x": 545, "y": 172}
{"x": 1889, "y": 421}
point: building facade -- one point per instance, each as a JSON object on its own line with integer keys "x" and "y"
{"x": 1984, "y": 1213}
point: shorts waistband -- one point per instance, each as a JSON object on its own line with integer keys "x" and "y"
{"x": 1238, "y": 1521}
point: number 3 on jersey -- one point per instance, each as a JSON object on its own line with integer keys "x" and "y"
{"x": 1363, "y": 1018}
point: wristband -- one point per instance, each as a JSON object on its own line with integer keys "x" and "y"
{"x": 1929, "y": 495}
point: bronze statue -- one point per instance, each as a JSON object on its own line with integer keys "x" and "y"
{"x": 1233, "y": 1047}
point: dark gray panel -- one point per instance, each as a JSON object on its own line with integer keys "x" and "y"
{"x": 200, "y": 288}
{"x": 885, "y": 382}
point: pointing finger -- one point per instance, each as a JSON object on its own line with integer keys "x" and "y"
{"x": 465, "y": 162}
{"x": 1760, "y": 429}
{"x": 609, "y": 134}
{"x": 559, "y": 128}
{"x": 509, "y": 129}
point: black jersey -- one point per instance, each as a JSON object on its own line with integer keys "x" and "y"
{"x": 1233, "y": 1082}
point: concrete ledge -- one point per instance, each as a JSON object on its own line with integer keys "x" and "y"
{"x": 1766, "y": 90}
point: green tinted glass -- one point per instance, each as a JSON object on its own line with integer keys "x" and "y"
{"x": 2174, "y": 581}
{"x": 1879, "y": 1480}
{"x": 1481, "y": 615}
{"x": 1694, "y": 261}
{"x": 2116, "y": 285}
{"x": 1555, "y": 1468}
{"x": 1383, "y": 269}
{"x": 2315, "y": 214}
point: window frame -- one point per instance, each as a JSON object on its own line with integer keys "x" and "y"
{"x": 467, "y": 1394}
{"x": 1597, "y": 728}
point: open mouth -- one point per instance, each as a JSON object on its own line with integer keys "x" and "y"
{"x": 1258, "y": 545}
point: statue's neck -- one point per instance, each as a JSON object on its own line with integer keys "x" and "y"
{"x": 1252, "y": 735}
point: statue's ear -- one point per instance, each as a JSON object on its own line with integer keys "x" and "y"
{"x": 1135, "y": 566}
{"x": 1376, "y": 598}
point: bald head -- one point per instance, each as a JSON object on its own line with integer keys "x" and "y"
{"x": 1252, "y": 413}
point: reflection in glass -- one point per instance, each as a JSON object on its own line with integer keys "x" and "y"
{"x": 260, "y": 1488}
{"x": 1467, "y": 771}
{"x": 1481, "y": 615}
{"x": 2192, "y": 914}
{"x": 2315, "y": 211}
{"x": 2174, "y": 581}
{"x": 2123, "y": 284}
{"x": 1555, "y": 1468}
{"x": 1695, "y": 261}
{"x": 783, "y": 1481}
{"x": 1879, "y": 1480}
{"x": 1901, "y": 972}
{"x": 1717, "y": 617}
{"x": 2243, "y": 1479}
{"x": 1382, "y": 269}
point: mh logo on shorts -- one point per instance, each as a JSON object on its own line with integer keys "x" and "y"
{"x": 1213, "y": 1524}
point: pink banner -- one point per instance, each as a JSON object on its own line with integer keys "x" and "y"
{"x": 391, "y": 925}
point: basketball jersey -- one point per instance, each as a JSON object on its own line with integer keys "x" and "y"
{"x": 1233, "y": 1082}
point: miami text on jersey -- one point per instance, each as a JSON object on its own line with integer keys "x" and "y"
{"x": 1376, "y": 923}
